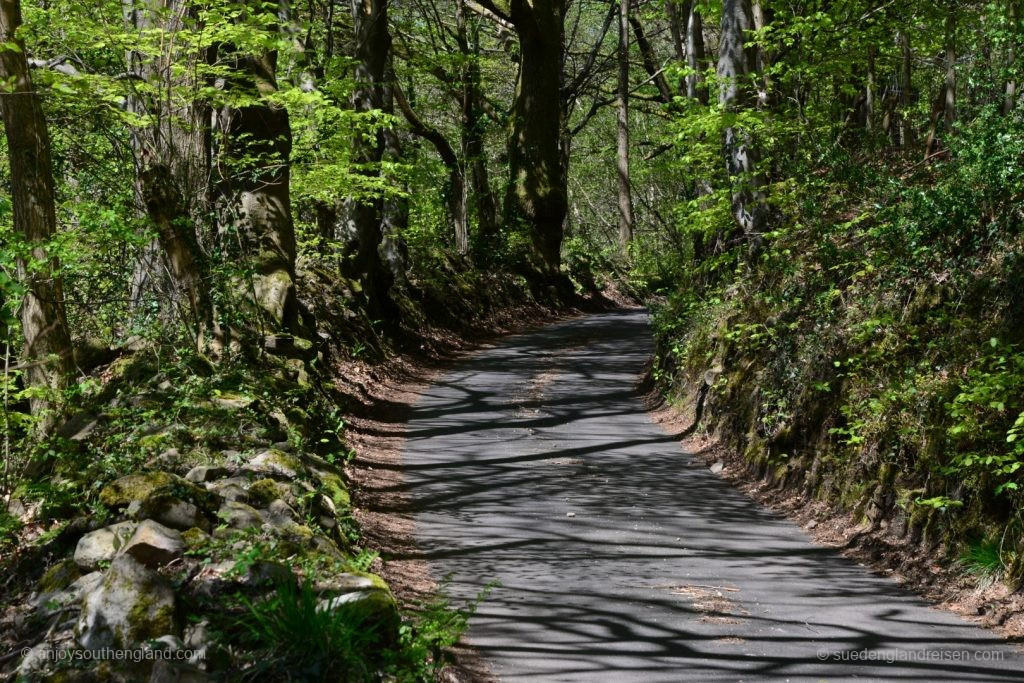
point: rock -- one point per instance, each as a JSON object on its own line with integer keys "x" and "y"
{"x": 195, "y": 538}
{"x": 204, "y": 473}
{"x": 102, "y": 545}
{"x": 265, "y": 491}
{"x": 133, "y": 604}
{"x": 169, "y": 511}
{"x": 281, "y": 519}
{"x": 374, "y": 607}
{"x": 154, "y": 545}
{"x": 232, "y": 400}
{"x": 176, "y": 671}
{"x": 78, "y": 427}
{"x": 717, "y": 468}
{"x": 136, "y": 487}
{"x": 59, "y": 576}
{"x": 240, "y": 516}
{"x": 233, "y": 488}
{"x": 36, "y": 660}
{"x": 198, "y": 637}
{"x": 333, "y": 486}
{"x": 275, "y": 463}
{"x": 169, "y": 459}
{"x": 284, "y": 446}
{"x": 86, "y": 584}
{"x": 228, "y": 576}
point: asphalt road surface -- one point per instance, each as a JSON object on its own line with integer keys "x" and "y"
{"x": 620, "y": 558}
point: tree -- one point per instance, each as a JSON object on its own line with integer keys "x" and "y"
{"x": 537, "y": 194}
{"x": 47, "y": 352}
{"x": 172, "y": 154}
{"x": 372, "y": 55}
{"x": 622, "y": 137}
{"x": 735, "y": 64}
{"x": 253, "y": 184}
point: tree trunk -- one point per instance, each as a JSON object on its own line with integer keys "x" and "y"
{"x": 47, "y": 352}
{"x": 869, "y": 92}
{"x": 473, "y": 122}
{"x": 537, "y": 194}
{"x": 906, "y": 130}
{"x": 949, "y": 105}
{"x": 734, "y": 65}
{"x": 696, "y": 58}
{"x": 622, "y": 138}
{"x": 362, "y": 258}
{"x": 1010, "y": 91}
{"x": 762, "y": 60}
{"x": 676, "y": 17}
{"x": 255, "y": 203}
{"x": 455, "y": 193}
{"x": 172, "y": 165}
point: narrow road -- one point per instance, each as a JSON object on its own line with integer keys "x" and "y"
{"x": 620, "y": 558}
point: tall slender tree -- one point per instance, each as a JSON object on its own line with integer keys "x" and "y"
{"x": 47, "y": 351}
{"x": 735, "y": 64}
{"x": 622, "y": 132}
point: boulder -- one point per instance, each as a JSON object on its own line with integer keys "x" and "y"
{"x": 174, "y": 671}
{"x": 374, "y": 606}
{"x": 281, "y": 519}
{"x": 204, "y": 473}
{"x": 154, "y": 545}
{"x": 170, "y": 511}
{"x": 275, "y": 463}
{"x": 232, "y": 400}
{"x": 59, "y": 576}
{"x": 51, "y": 602}
{"x": 240, "y": 516}
{"x": 136, "y": 487}
{"x": 102, "y": 545}
{"x": 133, "y": 604}
{"x": 233, "y": 488}
{"x": 265, "y": 491}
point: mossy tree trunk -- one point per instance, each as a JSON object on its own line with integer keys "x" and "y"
{"x": 254, "y": 202}
{"x": 537, "y": 195}
{"x": 47, "y": 351}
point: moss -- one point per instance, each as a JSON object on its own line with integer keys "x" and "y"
{"x": 333, "y": 486}
{"x": 59, "y": 576}
{"x": 143, "y": 486}
{"x": 195, "y": 538}
{"x": 146, "y": 623}
{"x": 264, "y": 491}
{"x": 277, "y": 462}
{"x": 135, "y": 487}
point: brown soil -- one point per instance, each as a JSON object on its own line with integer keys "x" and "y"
{"x": 992, "y": 605}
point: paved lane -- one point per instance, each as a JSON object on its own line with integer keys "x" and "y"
{"x": 622, "y": 559}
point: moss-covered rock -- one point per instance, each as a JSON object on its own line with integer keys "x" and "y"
{"x": 136, "y": 487}
{"x": 59, "y": 576}
{"x": 132, "y": 605}
{"x": 275, "y": 463}
{"x": 333, "y": 487}
{"x": 263, "y": 492}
